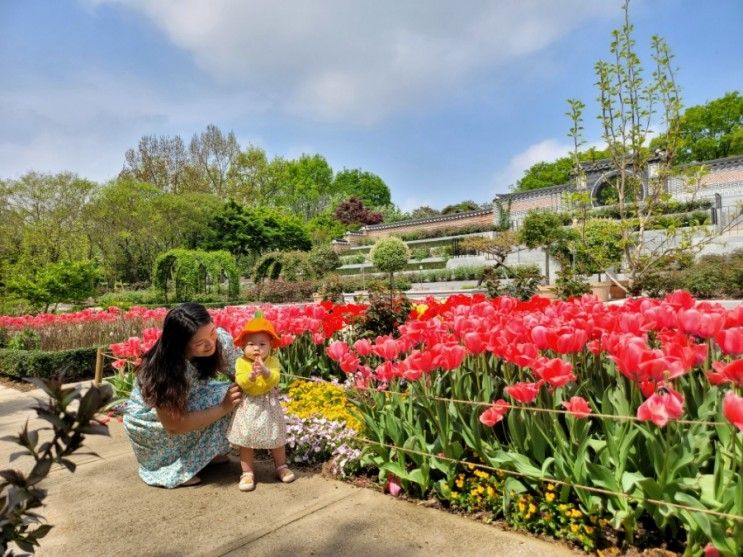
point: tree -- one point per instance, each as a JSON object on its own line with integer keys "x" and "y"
{"x": 392, "y": 213}
{"x": 709, "y": 131}
{"x": 67, "y": 281}
{"x": 213, "y": 152}
{"x": 548, "y": 174}
{"x": 45, "y": 211}
{"x": 352, "y": 211}
{"x": 161, "y": 161}
{"x": 308, "y": 188}
{"x": 324, "y": 228}
{"x": 368, "y": 187}
{"x": 390, "y": 255}
{"x": 254, "y": 180}
{"x": 423, "y": 212}
{"x": 461, "y": 207}
{"x": 499, "y": 247}
{"x": 543, "y": 229}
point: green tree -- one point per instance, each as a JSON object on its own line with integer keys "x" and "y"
{"x": 709, "y": 131}
{"x": 46, "y": 212}
{"x": 67, "y": 281}
{"x": 324, "y": 228}
{"x": 368, "y": 187}
{"x": 212, "y": 153}
{"x": 423, "y": 212}
{"x": 461, "y": 207}
{"x": 392, "y": 213}
{"x": 163, "y": 162}
{"x": 254, "y": 180}
{"x": 543, "y": 229}
{"x": 308, "y": 188}
{"x": 548, "y": 174}
{"x": 390, "y": 255}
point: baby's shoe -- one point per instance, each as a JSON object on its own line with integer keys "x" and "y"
{"x": 284, "y": 474}
{"x": 247, "y": 481}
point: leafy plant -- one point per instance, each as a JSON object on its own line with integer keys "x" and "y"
{"x": 20, "y": 493}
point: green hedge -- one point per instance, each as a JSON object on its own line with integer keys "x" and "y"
{"x": 76, "y": 364}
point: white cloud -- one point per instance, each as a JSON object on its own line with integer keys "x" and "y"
{"x": 547, "y": 150}
{"x": 350, "y": 61}
{"x": 87, "y": 126}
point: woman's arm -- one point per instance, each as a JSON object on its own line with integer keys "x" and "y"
{"x": 230, "y": 353}
{"x": 176, "y": 423}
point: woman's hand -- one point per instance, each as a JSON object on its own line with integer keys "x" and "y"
{"x": 232, "y": 398}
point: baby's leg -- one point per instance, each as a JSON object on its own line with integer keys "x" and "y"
{"x": 279, "y": 456}
{"x": 246, "y": 459}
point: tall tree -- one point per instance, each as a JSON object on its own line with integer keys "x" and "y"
{"x": 366, "y": 186}
{"x": 254, "y": 180}
{"x": 48, "y": 209}
{"x": 353, "y": 211}
{"x": 424, "y": 211}
{"x": 308, "y": 186}
{"x": 556, "y": 173}
{"x": 709, "y": 131}
{"x": 212, "y": 153}
{"x": 461, "y": 207}
{"x": 163, "y": 162}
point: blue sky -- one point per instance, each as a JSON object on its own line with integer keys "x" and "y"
{"x": 445, "y": 101}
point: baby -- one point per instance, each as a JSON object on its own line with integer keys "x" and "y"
{"x": 258, "y": 422}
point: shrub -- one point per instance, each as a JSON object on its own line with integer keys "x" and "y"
{"x": 331, "y": 289}
{"x": 569, "y": 284}
{"x": 323, "y": 260}
{"x": 75, "y": 364}
{"x": 386, "y": 312}
{"x": 127, "y": 298}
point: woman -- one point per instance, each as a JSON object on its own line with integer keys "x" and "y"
{"x": 177, "y": 416}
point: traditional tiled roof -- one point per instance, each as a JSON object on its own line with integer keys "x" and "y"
{"x": 427, "y": 220}
{"x": 719, "y": 164}
{"x": 540, "y": 192}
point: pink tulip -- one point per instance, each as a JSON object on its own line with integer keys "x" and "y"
{"x": 393, "y": 486}
{"x": 557, "y": 372}
{"x": 349, "y": 362}
{"x": 577, "y": 406}
{"x": 494, "y": 413}
{"x": 730, "y": 341}
{"x": 732, "y": 409}
{"x": 363, "y": 347}
{"x": 474, "y": 342}
{"x": 711, "y": 551}
{"x": 661, "y": 407}
{"x": 336, "y": 350}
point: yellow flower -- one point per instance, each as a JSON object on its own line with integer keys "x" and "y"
{"x": 550, "y": 497}
{"x": 532, "y": 508}
{"x": 574, "y": 528}
{"x": 491, "y": 491}
{"x": 577, "y": 513}
{"x": 459, "y": 482}
{"x": 522, "y": 507}
{"x": 588, "y": 529}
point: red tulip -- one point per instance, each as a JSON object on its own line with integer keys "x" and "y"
{"x": 732, "y": 372}
{"x": 474, "y": 342}
{"x": 732, "y": 409}
{"x": 557, "y": 372}
{"x": 495, "y": 413}
{"x": 349, "y": 362}
{"x": 663, "y": 406}
{"x": 387, "y": 349}
{"x": 523, "y": 392}
{"x": 577, "y": 406}
{"x": 450, "y": 356}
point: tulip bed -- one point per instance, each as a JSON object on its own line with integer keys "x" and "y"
{"x": 632, "y": 415}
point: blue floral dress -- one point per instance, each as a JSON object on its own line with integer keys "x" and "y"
{"x": 169, "y": 460}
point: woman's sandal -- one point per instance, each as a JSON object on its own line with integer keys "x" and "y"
{"x": 193, "y": 481}
{"x": 284, "y": 474}
{"x": 247, "y": 481}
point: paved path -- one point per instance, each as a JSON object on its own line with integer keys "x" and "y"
{"x": 104, "y": 509}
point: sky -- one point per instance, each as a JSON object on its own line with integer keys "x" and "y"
{"x": 445, "y": 101}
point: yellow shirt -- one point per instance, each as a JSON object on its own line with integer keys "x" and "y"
{"x": 260, "y": 385}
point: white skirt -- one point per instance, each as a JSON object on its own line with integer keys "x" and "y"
{"x": 258, "y": 422}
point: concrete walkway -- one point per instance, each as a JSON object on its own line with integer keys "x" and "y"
{"x": 104, "y": 509}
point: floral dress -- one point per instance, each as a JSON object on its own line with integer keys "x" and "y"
{"x": 169, "y": 460}
{"x": 258, "y": 422}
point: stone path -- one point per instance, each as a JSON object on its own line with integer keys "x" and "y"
{"x": 104, "y": 509}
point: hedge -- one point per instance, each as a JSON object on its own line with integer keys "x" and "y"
{"x": 76, "y": 364}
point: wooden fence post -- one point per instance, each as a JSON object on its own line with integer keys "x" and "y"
{"x": 98, "y": 366}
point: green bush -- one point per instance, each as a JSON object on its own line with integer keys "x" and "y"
{"x": 76, "y": 364}
{"x": 331, "y": 289}
{"x": 323, "y": 260}
{"x": 128, "y": 298}
{"x": 657, "y": 284}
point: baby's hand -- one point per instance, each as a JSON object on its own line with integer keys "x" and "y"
{"x": 260, "y": 367}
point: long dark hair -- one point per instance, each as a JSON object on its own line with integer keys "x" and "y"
{"x": 162, "y": 374}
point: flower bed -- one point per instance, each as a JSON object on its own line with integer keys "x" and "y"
{"x": 634, "y": 412}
